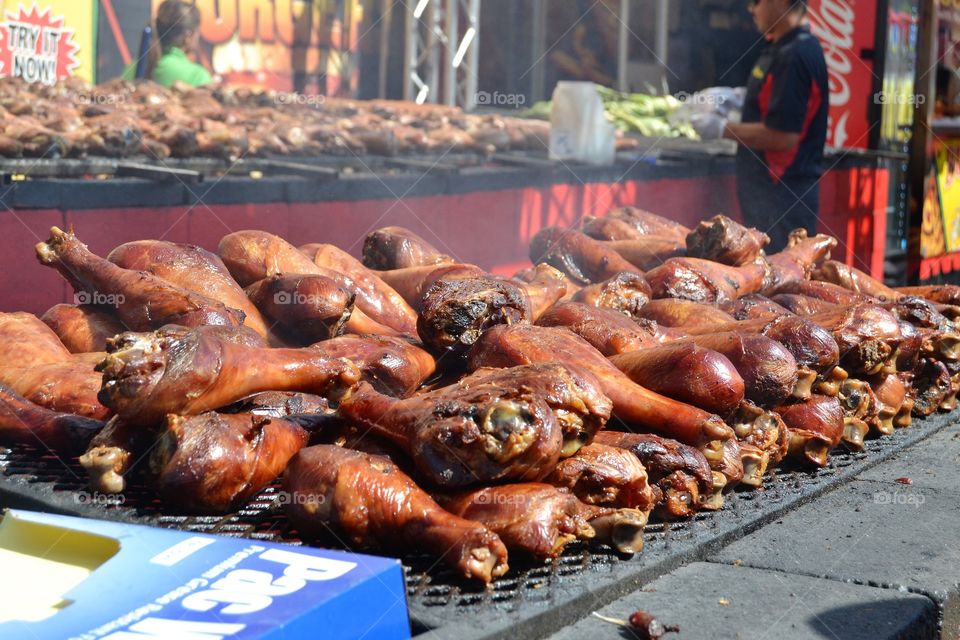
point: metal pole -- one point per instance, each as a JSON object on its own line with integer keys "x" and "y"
{"x": 623, "y": 45}
{"x": 410, "y": 40}
{"x": 386, "y": 7}
{"x": 662, "y": 34}
{"x": 473, "y": 56}
{"x": 452, "y": 30}
{"x": 537, "y": 78}
{"x": 433, "y": 46}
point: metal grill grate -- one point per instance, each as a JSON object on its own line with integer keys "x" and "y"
{"x": 436, "y": 594}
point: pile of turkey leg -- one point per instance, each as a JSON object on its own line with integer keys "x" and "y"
{"x": 412, "y": 403}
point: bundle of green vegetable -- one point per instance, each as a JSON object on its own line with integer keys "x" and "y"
{"x": 632, "y": 113}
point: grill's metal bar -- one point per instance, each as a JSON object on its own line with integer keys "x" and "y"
{"x": 157, "y": 172}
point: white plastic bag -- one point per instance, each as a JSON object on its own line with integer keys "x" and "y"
{"x": 725, "y": 101}
{"x": 579, "y": 129}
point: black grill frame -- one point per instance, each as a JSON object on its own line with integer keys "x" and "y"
{"x": 535, "y": 598}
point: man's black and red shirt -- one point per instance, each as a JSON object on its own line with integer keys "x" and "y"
{"x": 788, "y": 91}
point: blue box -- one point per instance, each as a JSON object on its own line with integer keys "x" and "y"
{"x": 66, "y": 577}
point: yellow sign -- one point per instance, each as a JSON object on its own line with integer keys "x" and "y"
{"x": 48, "y": 40}
{"x": 948, "y": 189}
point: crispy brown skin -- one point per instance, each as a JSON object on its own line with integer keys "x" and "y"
{"x": 802, "y": 305}
{"x": 308, "y": 307}
{"x": 533, "y": 517}
{"x": 686, "y": 372}
{"x": 606, "y": 476}
{"x": 173, "y": 370}
{"x": 192, "y": 268}
{"x": 25, "y": 341}
{"x": 544, "y": 288}
{"x": 387, "y": 305}
{"x": 398, "y": 248}
{"x": 681, "y": 472}
{"x": 254, "y": 255}
{"x": 855, "y": 280}
{"x": 82, "y": 328}
{"x": 672, "y": 312}
{"x": 583, "y": 259}
{"x": 705, "y": 281}
{"x": 753, "y": 307}
{"x": 143, "y": 302}
{"x": 625, "y": 292}
{"x": 647, "y": 252}
{"x": 726, "y": 241}
{"x": 392, "y": 365}
{"x": 454, "y": 312}
{"x": 23, "y": 422}
{"x": 372, "y": 502}
{"x": 810, "y": 344}
{"x": 819, "y": 418}
{"x": 411, "y": 282}
{"x": 507, "y": 346}
{"x": 649, "y": 223}
{"x": 609, "y": 332}
{"x": 613, "y": 229}
{"x": 768, "y": 370}
{"x": 214, "y": 462}
{"x": 796, "y": 261}
{"x": 942, "y": 293}
{"x": 493, "y": 425}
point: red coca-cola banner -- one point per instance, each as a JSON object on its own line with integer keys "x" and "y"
{"x": 845, "y": 28}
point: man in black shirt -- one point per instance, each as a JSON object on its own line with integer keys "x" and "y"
{"x": 783, "y": 125}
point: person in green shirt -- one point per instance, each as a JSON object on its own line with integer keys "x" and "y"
{"x": 176, "y": 32}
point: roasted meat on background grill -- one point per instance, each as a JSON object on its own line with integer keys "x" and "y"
{"x": 370, "y": 501}
{"x": 192, "y": 268}
{"x": 82, "y": 328}
{"x": 725, "y": 241}
{"x": 855, "y": 280}
{"x": 215, "y": 462}
{"x": 397, "y": 248}
{"x": 143, "y": 302}
{"x": 493, "y": 425}
{"x": 180, "y": 371}
{"x": 23, "y": 422}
